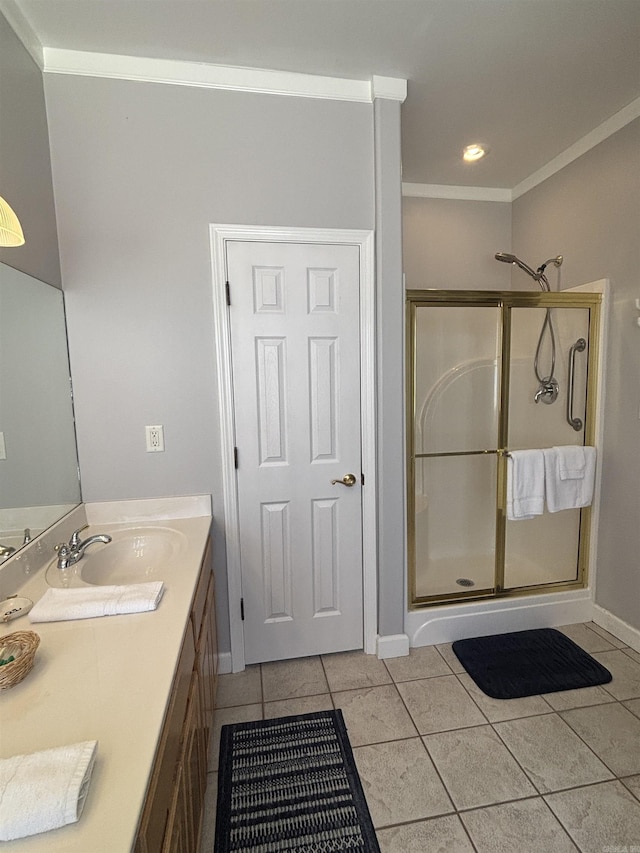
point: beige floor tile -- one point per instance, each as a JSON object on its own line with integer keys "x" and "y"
{"x": 625, "y": 672}
{"x": 440, "y": 704}
{"x": 633, "y": 784}
{"x": 241, "y": 688}
{"x": 634, "y": 706}
{"x": 223, "y": 717}
{"x": 563, "y": 700}
{"x": 611, "y": 638}
{"x": 632, "y": 653}
{"x": 400, "y": 782}
{"x": 437, "y": 835}
{"x": 374, "y": 715}
{"x": 612, "y": 732}
{"x": 599, "y": 817}
{"x": 423, "y": 662}
{"x": 209, "y": 817}
{"x": 496, "y": 710}
{"x": 349, "y": 670}
{"x": 288, "y": 679}
{"x": 476, "y": 767}
{"x": 551, "y": 754}
{"x": 587, "y": 639}
{"x": 527, "y": 826}
{"x": 301, "y": 705}
{"x": 450, "y": 657}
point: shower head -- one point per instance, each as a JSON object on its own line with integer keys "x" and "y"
{"x": 507, "y": 258}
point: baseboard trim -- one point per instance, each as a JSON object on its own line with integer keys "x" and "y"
{"x": 625, "y": 632}
{"x": 224, "y": 663}
{"x": 392, "y": 646}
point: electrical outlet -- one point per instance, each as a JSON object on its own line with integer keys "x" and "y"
{"x": 3, "y": 450}
{"x": 155, "y": 438}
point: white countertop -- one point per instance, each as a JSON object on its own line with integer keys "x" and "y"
{"x": 105, "y": 679}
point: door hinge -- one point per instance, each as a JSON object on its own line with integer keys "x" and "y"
{"x": 362, "y": 479}
{"x": 227, "y": 288}
{"x": 235, "y": 457}
{"x": 242, "y": 609}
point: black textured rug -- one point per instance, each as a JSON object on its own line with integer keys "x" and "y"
{"x": 291, "y": 784}
{"x": 525, "y": 663}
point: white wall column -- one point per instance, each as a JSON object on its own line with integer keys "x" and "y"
{"x": 390, "y": 368}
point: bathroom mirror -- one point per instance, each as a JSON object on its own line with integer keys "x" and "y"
{"x": 39, "y": 476}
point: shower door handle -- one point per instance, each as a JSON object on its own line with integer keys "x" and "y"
{"x": 579, "y": 346}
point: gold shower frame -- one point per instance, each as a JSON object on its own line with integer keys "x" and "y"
{"x": 506, "y": 301}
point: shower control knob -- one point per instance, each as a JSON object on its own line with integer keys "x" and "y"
{"x": 547, "y": 392}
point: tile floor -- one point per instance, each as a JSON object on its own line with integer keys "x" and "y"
{"x": 446, "y": 768}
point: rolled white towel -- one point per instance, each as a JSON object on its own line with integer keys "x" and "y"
{"x": 44, "y": 790}
{"x": 58, "y": 605}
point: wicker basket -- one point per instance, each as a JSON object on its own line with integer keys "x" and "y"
{"x": 24, "y": 642}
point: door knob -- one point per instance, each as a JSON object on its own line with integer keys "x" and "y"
{"x": 347, "y": 480}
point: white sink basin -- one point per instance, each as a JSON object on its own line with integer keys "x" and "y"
{"x": 135, "y": 555}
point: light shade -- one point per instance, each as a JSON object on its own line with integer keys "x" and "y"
{"x": 10, "y": 229}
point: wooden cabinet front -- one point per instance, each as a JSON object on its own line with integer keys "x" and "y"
{"x": 172, "y": 816}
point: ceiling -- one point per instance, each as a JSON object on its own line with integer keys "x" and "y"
{"x": 529, "y": 78}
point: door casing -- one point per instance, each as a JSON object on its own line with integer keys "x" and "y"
{"x": 220, "y": 235}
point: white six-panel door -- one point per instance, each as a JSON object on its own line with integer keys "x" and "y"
{"x": 295, "y": 347}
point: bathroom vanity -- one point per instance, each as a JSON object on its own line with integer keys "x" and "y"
{"x": 142, "y": 685}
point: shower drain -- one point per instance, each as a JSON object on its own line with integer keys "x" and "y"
{"x": 465, "y": 582}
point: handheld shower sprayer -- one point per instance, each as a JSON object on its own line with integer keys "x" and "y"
{"x": 537, "y": 275}
{"x": 548, "y": 385}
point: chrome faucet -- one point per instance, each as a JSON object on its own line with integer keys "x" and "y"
{"x": 70, "y": 554}
{"x": 7, "y": 550}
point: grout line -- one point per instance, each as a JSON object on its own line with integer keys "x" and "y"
{"x": 461, "y": 811}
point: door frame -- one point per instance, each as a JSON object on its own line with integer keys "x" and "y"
{"x": 220, "y": 235}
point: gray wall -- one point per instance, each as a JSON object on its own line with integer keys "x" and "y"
{"x": 25, "y": 168}
{"x": 590, "y": 213}
{"x": 450, "y": 244}
{"x": 140, "y": 170}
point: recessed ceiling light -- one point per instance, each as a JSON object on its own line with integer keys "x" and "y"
{"x": 474, "y": 152}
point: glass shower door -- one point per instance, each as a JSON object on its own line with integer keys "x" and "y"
{"x": 455, "y": 396}
{"x": 545, "y": 549}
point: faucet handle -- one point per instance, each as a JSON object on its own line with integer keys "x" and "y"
{"x": 75, "y": 536}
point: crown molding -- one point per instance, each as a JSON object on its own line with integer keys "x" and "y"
{"x": 457, "y": 193}
{"x": 612, "y": 125}
{"x": 203, "y": 75}
{"x": 23, "y": 29}
{"x": 391, "y": 88}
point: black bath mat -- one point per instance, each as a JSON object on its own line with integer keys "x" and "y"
{"x": 291, "y": 784}
{"x": 525, "y": 663}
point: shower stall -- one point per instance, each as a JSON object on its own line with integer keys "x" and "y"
{"x": 489, "y": 373}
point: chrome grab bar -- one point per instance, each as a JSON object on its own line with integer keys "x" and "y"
{"x": 579, "y": 346}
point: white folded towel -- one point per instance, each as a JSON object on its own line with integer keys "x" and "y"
{"x": 568, "y": 492}
{"x": 571, "y": 462}
{"x": 525, "y": 484}
{"x": 44, "y": 790}
{"x": 58, "y": 605}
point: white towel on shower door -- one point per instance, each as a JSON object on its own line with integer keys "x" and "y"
{"x": 563, "y": 492}
{"x": 525, "y": 484}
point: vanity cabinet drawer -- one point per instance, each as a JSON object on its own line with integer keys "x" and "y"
{"x": 200, "y": 597}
